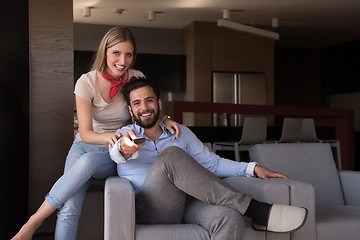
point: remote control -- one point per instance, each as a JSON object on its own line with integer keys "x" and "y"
{"x": 139, "y": 140}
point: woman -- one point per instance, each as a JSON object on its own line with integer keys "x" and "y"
{"x": 101, "y": 109}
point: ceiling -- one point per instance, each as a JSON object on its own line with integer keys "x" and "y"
{"x": 302, "y": 23}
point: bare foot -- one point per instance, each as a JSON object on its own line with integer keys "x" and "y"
{"x": 27, "y": 230}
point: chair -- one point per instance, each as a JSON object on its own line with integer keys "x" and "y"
{"x": 308, "y": 134}
{"x": 291, "y": 130}
{"x": 254, "y": 131}
{"x": 331, "y": 196}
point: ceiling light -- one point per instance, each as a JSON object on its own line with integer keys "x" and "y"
{"x": 151, "y": 15}
{"x": 119, "y": 11}
{"x": 87, "y": 11}
{"x": 248, "y": 29}
{"x": 275, "y": 22}
{"x": 226, "y": 14}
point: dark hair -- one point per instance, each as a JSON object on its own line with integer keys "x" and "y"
{"x": 136, "y": 83}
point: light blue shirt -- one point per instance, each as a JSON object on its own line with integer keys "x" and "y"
{"x": 136, "y": 168}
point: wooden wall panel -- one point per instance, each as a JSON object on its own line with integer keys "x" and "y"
{"x": 188, "y": 47}
{"x": 202, "y": 63}
{"x": 236, "y": 51}
{"x": 51, "y": 96}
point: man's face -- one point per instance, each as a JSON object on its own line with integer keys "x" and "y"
{"x": 144, "y": 106}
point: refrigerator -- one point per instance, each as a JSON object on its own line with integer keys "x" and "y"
{"x": 239, "y": 88}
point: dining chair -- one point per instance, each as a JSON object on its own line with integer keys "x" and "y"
{"x": 308, "y": 134}
{"x": 254, "y": 132}
{"x": 291, "y": 130}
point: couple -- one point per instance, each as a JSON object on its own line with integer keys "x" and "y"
{"x": 160, "y": 166}
{"x": 167, "y": 166}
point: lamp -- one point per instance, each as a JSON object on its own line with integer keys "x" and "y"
{"x": 248, "y": 29}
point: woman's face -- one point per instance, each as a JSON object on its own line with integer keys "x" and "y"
{"x": 119, "y": 58}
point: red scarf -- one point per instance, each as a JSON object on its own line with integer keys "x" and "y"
{"x": 115, "y": 87}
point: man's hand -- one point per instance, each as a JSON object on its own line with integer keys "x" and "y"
{"x": 265, "y": 173}
{"x": 128, "y": 146}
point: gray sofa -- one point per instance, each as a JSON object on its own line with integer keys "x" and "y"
{"x": 332, "y": 196}
{"x": 120, "y": 212}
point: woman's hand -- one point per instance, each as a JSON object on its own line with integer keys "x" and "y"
{"x": 112, "y": 138}
{"x": 172, "y": 126}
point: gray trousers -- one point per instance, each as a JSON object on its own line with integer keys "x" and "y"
{"x": 178, "y": 189}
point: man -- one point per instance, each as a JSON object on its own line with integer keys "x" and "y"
{"x": 165, "y": 172}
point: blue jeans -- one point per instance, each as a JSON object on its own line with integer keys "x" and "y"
{"x": 83, "y": 162}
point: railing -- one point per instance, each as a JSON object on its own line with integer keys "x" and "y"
{"x": 341, "y": 119}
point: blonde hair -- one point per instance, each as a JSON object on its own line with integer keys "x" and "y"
{"x": 112, "y": 37}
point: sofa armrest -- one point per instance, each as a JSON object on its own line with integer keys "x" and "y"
{"x": 265, "y": 191}
{"x": 303, "y": 195}
{"x": 119, "y": 203}
{"x": 349, "y": 183}
{"x": 281, "y": 191}
{"x": 261, "y": 190}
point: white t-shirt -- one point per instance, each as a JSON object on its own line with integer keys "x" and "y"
{"x": 106, "y": 117}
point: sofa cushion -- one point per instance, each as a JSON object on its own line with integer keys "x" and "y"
{"x": 338, "y": 222}
{"x": 307, "y": 162}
